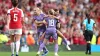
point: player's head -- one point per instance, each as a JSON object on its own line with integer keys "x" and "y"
{"x": 56, "y": 11}
{"x": 51, "y": 12}
{"x": 14, "y": 2}
{"x": 88, "y": 17}
{"x": 36, "y": 10}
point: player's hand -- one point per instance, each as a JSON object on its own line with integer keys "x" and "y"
{"x": 44, "y": 21}
{"x": 54, "y": 16}
{"x": 46, "y": 16}
{"x": 7, "y": 27}
{"x": 39, "y": 24}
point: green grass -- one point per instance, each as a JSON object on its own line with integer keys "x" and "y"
{"x": 70, "y": 53}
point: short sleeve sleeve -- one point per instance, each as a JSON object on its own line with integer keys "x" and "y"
{"x": 34, "y": 17}
{"x": 42, "y": 15}
{"x": 22, "y": 14}
{"x": 8, "y": 12}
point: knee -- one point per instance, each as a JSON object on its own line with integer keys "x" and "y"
{"x": 56, "y": 41}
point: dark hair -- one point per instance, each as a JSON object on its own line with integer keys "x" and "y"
{"x": 29, "y": 33}
{"x": 39, "y": 5}
{"x": 87, "y": 15}
{"x": 56, "y": 10}
{"x": 14, "y": 2}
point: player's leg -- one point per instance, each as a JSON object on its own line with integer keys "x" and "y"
{"x": 62, "y": 36}
{"x": 64, "y": 39}
{"x": 11, "y": 32}
{"x": 89, "y": 45}
{"x": 41, "y": 47}
{"x": 17, "y": 43}
{"x": 56, "y": 48}
{"x": 40, "y": 40}
{"x": 45, "y": 50}
{"x": 88, "y": 40}
{"x": 56, "y": 44}
{"x": 42, "y": 37}
{"x": 12, "y": 44}
{"x": 47, "y": 35}
{"x": 38, "y": 34}
{"x": 17, "y": 38}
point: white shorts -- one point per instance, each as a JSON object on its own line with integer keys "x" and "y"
{"x": 15, "y": 31}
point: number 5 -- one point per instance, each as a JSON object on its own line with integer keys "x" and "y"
{"x": 15, "y": 17}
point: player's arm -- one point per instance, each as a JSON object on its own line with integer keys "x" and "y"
{"x": 44, "y": 22}
{"x": 22, "y": 17}
{"x": 84, "y": 25}
{"x": 94, "y": 26}
{"x": 38, "y": 22}
{"x": 33, "y": 22}
{"x": 8, "y": 19}
{"x": 23, "y": 21}
{"x": 56, "y": 17}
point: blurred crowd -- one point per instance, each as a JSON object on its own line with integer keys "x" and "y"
{"x": 71, "y": 14}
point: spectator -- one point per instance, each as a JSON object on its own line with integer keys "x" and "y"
{"x": 30, "y": 40}
{"x": 23, "y": 39}
{"x": 69, "y": 10}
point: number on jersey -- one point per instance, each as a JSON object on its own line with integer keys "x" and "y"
{"x": 15, "y": 17}
{"x": 51, "y": 22}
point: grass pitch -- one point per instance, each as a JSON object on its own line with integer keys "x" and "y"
{"x": 70, "y": 53}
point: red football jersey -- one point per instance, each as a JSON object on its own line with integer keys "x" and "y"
{"x": 16, "y": 15}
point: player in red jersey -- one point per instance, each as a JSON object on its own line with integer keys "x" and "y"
{"x": 14, "y": 23}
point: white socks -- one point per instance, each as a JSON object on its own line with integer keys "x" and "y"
{"x": 17, "y": 46}
{"x": 56, "y": 54}
{"x": 67, "y": 46}
{"x": 38, "y": 52}
{"x": 12, "y": 47}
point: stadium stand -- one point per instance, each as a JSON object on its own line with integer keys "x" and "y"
{"x": 72, "y": 14}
